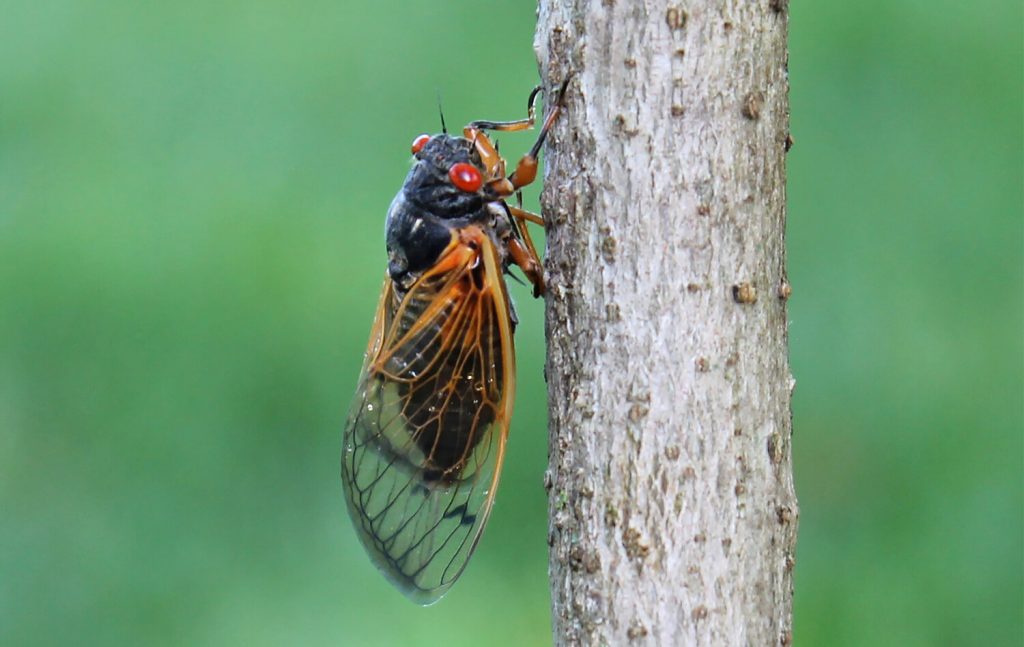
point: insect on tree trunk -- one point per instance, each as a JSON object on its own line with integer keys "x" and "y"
{"x": 672, "y": 508}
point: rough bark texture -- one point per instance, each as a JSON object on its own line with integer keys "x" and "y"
{"x": 673, "y": 513}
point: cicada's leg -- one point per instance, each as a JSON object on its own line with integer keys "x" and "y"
{"x": 489, "y": 156}
{"x": 526, "y": 169}
{"x": 527, "y": 216}
{"x": 518, "y": 124}
{"x": 524, "y": 255}
{"x": 474, "y": 132}
{"x": 521, "y": 248}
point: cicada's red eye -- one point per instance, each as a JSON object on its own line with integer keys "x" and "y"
{"x": 419, "y": 143}
{"x": 465, "y": 177}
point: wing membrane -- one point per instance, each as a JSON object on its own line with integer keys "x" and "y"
{"x": 425, "y": 437}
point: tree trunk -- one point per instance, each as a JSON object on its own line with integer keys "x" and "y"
{"x": 672, "y": 508}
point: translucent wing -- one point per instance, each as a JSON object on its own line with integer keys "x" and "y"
{"x": 425, "y": 437}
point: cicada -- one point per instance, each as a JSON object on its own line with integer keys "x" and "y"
{"x": 425, "y": 436}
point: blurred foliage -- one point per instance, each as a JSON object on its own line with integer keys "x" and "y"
{"x": 191, "y": 214}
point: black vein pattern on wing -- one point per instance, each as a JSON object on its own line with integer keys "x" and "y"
{"x": 425, "y": 437}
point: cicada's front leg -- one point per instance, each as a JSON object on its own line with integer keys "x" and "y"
{"x": 526, "y": 169}
{"x": 474, "y": 132}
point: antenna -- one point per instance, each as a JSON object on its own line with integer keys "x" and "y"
{"x": 444, "y": 129}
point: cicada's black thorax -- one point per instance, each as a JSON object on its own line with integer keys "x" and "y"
{"x": 428, "y": 206}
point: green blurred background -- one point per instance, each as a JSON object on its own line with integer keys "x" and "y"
{"x": 191, "y": 211}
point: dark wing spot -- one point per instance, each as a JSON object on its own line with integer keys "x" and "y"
{"x": 463, "y": 512}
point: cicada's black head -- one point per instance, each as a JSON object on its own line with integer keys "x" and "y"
{"x": 444, "y": 189}
{"x": 447, "y": 179}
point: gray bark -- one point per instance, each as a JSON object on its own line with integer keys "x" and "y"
{"x": 672, "y": 507}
